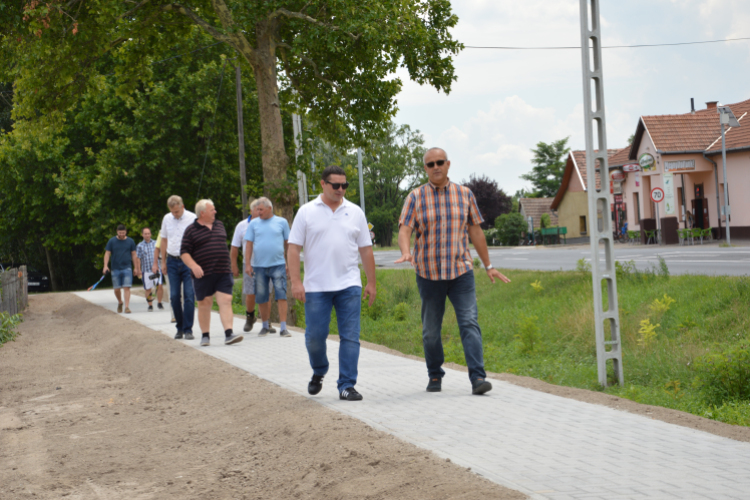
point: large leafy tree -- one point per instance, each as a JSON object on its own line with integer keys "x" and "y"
{"x": 492, "y": 201}
{"x": 116, "y": 158}
{"x": 392, "y": 167}
{"x": 338, "y": 56}
{"x": 549, "y": 165}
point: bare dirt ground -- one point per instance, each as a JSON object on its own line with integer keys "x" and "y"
{"x": 93, "y": 406}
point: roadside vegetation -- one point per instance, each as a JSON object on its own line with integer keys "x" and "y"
{"x": 686, "y": 344}
{"x": 8, "y": 324}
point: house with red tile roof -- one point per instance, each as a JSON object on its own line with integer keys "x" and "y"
{"x": 682, "y": 155}
{"x": 571, "y": 201}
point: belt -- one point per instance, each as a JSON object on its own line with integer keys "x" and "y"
{"x": 172, "y": 256}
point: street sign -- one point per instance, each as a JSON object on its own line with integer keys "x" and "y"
{"x": 370, "y": 226}
{"x": 657, "y": 194}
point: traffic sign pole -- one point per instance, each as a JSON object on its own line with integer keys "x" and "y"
{"x": 657, "y": 196}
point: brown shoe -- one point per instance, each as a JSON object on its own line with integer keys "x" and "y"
{"x": 127, "y": 310}
{"x": 119, "y": 307}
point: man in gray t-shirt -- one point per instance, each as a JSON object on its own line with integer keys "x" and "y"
{"x": 121, "y": 250}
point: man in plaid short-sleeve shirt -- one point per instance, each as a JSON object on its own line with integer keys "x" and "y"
{"x": 445, "y": 216}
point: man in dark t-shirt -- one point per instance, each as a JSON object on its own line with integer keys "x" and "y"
{"x": 121, "y": 250}
{"x": 204, "y": 251}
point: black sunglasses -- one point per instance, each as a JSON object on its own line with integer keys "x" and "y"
{"x": 337, "y": 185}
{"x": 432, "y": 163}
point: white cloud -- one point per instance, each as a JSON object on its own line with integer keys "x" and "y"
{"x": 505, "y": 102}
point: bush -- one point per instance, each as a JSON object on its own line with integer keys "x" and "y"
{"x": 400, "y": 311}
{"x": 491, "y": 236}
{"x": 545, "y": 221}
{"x": 8, "y": 326}
{"x": 510, "y": 228}
{"x": 725, "y": 376}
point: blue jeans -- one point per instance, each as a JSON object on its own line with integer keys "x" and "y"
{"x": 179, "y": 275}
{"x": 348, "y": 304}
{"x": 462, "y": 295}
{"x": 122, "y": 278}
{"x": 263, "y": 277}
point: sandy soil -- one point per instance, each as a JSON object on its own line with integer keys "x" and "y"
{"x": 93, "y": 406}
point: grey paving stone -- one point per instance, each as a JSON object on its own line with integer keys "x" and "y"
{"x": 543, "y": 445}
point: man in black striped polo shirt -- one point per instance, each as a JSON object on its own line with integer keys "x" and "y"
{"x": 204, "y": 251}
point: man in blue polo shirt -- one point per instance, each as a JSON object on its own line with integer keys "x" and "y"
{"x": 265, "y": 246}
{"x": 121, "y": 249}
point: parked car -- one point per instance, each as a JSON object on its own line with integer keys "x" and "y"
{"x": 36, "y": 281}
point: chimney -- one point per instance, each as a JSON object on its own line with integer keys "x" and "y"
{"x": 692, "y": 106}
{"x": 711, "y": 104}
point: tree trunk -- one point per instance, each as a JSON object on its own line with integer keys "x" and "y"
{"x": 274, "y": 157}
{"x": 52, "y": 276}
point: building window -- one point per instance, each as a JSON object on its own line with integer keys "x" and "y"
{"x": 582, "y": 225}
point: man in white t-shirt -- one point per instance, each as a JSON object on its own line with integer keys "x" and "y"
{"x": 180, "y": 278}
{"x": 248, "y": 283}
{"x": 333, "y": 231}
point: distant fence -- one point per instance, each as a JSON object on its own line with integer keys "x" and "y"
{"x": 14, "y": 290}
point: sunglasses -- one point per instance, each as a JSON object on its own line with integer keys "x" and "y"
{"x": 337, "y": 185}
{"x": 432, "y": 163}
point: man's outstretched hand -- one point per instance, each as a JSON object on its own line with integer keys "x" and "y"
{"x": 405, "y": 257}
{"x": 494, "y": 273}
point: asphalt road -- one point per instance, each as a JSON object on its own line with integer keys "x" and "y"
{"x": 709, "y": 258}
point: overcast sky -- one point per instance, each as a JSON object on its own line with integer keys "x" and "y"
{"x": 506, "y": 101}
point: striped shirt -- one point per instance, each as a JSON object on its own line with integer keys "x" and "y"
{"x": 145, "y": 252}
{"x": 440, "y": 218}
{"x": 207, "y": 247}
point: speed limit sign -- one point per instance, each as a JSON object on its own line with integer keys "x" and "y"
{"x": 657, "y": 194}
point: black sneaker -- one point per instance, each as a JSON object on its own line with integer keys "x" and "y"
{"x": 434, "y": 385}
{"x": 189, "y": 336}
{"x": 249, "y": 322}
{"x": 315, "y": 385}
{"x": 480, "y": 386}
{"x": 350, "y": 394}
{"x": 159, "y": 306}
{"x": 150, "y": 308}
{"x": 178, "y": 336}
{"x": 233, "y": 339}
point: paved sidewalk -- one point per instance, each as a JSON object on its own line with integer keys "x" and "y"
{"x": 543, "y": 445}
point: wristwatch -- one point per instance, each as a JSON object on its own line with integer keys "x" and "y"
{"x": 487, "y": 268}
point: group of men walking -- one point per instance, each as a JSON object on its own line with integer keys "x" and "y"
{"x": 192, "y": 251}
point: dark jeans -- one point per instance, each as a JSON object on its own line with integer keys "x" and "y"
{"x": 180, "y": 277}
{"x": 462, "y": 295}
{"x": 348, "y": 304}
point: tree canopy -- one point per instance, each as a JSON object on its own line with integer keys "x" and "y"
{"x": 338, "y": 59}
{"x": 492, "y": 201}
{"x": 116, "y": 158}
{"x": 549, "y": 166}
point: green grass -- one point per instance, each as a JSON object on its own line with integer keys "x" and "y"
{"x": 542, "y": 325}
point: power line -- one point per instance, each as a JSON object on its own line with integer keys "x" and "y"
{"x": 607, "y": 47}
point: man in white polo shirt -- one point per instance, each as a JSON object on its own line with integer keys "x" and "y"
{"x": 333, "y": 231}
{"x": 180, "y": 279}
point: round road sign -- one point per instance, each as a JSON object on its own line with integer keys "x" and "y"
{"x": 657, "y": 194}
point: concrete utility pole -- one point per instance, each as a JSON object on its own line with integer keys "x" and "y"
{"x": 597, "y": 162}
{"x": 241, "y": 136}
{"x": 301, "y": 177}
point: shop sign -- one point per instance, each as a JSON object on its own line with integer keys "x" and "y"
{"x": 671, "y": 166}
{"x": 618, "y": 198}
{"x": 637, "y": 179}
{"x": 617, "y": 175}
{"x": 616, "y": 187}
{"x": 633, "y": 167}
{"x": 647, "y": 162}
